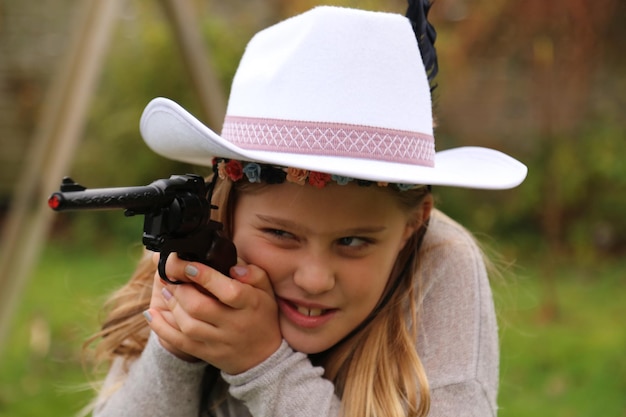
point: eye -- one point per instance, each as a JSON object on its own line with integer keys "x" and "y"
{"x": 354, "y": 242}
{"x": 278, "y": 234}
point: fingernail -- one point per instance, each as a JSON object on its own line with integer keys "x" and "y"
{"x": 166, "y": 294}
{"x": 240, "y": 271}
{"x": 191, "y": 270}
{"x": 147, "y": 316}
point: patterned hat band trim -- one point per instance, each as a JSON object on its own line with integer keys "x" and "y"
{"x": 330, "y": 139}
{"x": 234, "y": 170}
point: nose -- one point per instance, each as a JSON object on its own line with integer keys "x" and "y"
{"x": 315, "y": 274}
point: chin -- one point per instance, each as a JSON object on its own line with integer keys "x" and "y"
{"x": 304, "y": 346}
{"x": 306, "y": 343}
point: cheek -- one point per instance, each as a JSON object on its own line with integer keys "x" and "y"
{"x": 257, "y": 252}
{"x": 366, "y": 281}
{"x": 371, "y": 277}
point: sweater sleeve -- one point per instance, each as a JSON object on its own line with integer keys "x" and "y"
{"x": 285, "y": 384}
{"x": 458, "y": 337}
{"x": 157, "y": 384}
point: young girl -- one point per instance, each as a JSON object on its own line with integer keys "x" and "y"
{"x": 352, "y": 295}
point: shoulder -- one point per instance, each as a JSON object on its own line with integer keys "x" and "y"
{"x": 444, "y": 230}
{"x": 449, "y": 248}
{"x": 458, "y": 340}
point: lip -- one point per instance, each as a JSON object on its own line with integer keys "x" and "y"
{"x": 289, "y": 309}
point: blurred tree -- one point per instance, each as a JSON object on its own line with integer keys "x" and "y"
{"x": 528, "y": 77}
{"x": 531, "y": 78}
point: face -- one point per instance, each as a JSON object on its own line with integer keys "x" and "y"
{"x": 328, "y": 252}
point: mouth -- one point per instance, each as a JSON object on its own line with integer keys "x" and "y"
{"x": 310, "y": 312}
{"x": 305, "y": 316}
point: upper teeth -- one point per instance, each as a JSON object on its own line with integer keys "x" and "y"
{"x": 311, "y": 312}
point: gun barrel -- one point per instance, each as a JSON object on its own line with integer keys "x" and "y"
{"x": 138, "y": 199}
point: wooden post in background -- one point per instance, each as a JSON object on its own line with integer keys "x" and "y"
{"x": 195, "y": 55}
{"x": 51, "y": 152}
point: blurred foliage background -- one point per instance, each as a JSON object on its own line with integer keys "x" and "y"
{"x": 541, "y": 80}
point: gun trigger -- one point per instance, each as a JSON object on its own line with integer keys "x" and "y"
{"x": 162, "y": 261}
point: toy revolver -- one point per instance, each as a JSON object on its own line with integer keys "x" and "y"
{"x": 177, "y": 217}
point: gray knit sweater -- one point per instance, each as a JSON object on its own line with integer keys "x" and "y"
{"x": 458, "y": 344}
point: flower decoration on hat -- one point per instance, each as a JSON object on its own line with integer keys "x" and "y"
{"x": 254, "y": 172}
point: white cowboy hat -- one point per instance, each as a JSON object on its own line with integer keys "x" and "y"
{"x": 334, "y": 90}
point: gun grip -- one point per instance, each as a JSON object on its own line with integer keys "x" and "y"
{"x": 206, "y": 246}
{"x": 222, "y": 255}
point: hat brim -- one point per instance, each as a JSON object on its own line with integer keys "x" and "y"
{"x": 171, "y": 131}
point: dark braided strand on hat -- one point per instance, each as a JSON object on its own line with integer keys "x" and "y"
{"x": 425, "y": 33}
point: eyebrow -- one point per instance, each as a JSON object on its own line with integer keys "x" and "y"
{"x": 288, "y": 224}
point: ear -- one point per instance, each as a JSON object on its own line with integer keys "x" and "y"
{"x": 426, "y": 209}
{"x": 418, "y": 217}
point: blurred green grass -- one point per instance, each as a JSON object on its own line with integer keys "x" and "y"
{"x": 42, "y": 371}
{"x": 563, "y": 340}
{"x": 562, "y": 330}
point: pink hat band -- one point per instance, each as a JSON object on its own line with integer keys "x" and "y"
{"x": 329, "y": 139}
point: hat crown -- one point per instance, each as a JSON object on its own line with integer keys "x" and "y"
{"x": 335, "y": 65}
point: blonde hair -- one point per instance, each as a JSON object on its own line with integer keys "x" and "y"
{"x": 376, "y": 369}
{"x": 124, "y": 333}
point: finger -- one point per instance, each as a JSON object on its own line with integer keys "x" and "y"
{"x": 171, "y": 338}
{"x": 158, "y": 302}
{"x": 229, "y": 291}
{"x": 196, "y": 316}
{"x": 189, "y": 303}
{"x": 254, "y": 276}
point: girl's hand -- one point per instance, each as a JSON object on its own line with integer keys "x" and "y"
{"x": 230, "y": 323}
